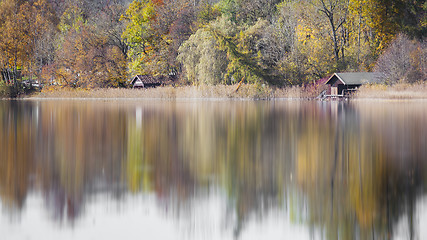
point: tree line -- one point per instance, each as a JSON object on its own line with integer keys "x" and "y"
{"x": 101, "y": 43}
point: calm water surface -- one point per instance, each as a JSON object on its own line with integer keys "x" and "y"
{"x": 213, "y": 170}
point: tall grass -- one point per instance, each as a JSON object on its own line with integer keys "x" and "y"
{"x": 247, "y": 91}
{"x": 396, "y": 91}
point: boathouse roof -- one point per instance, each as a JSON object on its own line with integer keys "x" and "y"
{"x": 146, "y": 79}
{"x": 354, "y": 78}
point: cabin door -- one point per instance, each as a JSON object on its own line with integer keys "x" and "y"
{"x": 334, "y": 91}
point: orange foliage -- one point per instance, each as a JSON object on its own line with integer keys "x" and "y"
{"x": 157, "y": 2}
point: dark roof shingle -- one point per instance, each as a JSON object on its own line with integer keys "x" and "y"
{"x": 146, "y": 79}
{"x": 355, "y": 78}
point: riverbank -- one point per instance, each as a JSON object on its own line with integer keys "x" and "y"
{"x": 245, "y": 91}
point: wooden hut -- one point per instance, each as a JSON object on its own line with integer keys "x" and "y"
{"x": 145, "y": 81}
{"x": 342, "y": 84}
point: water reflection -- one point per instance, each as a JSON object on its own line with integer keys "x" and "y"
{"x": 342, "y": 171}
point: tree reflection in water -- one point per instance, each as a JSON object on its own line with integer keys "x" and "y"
{"x": 352, "y": 170}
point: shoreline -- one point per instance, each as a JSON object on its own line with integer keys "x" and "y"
{"x": 246, "y": 92}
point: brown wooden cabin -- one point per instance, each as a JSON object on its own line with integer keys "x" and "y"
{"x": 343, "y": 84}
{"x": 145, "y": 81}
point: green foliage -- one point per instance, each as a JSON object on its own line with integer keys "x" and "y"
{"x": 138, "y": 33}
{"x": 155, "y": 30}
{"x": 72, "y": 18}
{"x": 228, "y": 9}
{"x": 240, "y": 45}
{"x": 248, "y": 11}
{"x": 207, "y": 13}
{"x": 202, "y": 60}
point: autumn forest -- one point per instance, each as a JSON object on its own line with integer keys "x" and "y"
{"x": 102, "y": 43}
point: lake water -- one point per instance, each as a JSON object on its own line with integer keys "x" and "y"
{"x": 213, "y": 170}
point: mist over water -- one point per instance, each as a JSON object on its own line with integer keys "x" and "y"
{"x": 213, "y": 170}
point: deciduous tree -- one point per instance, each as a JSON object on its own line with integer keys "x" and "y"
{"x": 23, "y": 27}
{"x": 154, "y": 31}
{"x": 403, "y": 61}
